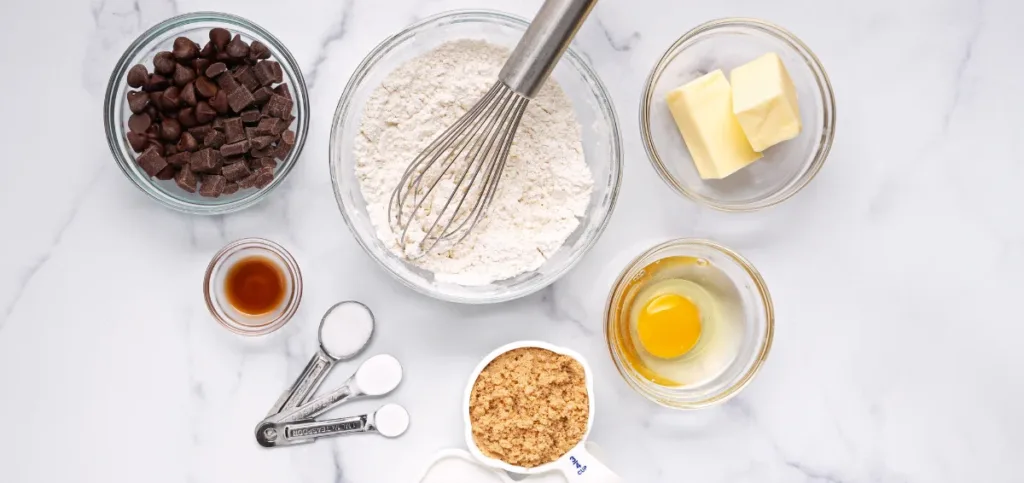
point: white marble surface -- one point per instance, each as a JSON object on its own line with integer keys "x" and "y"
{"x": 896, "y": 274}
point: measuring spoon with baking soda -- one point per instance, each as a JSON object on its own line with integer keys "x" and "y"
{"x": 344, "y": 331}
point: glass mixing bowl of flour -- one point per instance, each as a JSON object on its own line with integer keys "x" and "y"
{"x": 599, "y": 139}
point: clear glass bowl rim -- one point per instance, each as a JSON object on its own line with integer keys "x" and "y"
{"x": 824, "y": 85}
{"x": 115, "y": 133}
{"x": 477, "y": 15}
{"x": 638, "y": 383}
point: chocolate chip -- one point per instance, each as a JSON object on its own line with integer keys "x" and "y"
{"x": 216, "y": 69}
{"x": 137, "y": 101}
{"x": 204, "y": 112}
{"x": 151, "y": 161}
{"x": 214, "y": 140}
{"x": 185, "y": 49}
{"x": 240, "y": 99}
{"x": 219, "y": 102}
{"x": 187, "y": 142}
{"x": 183, "y": 75}
{"x": 278, "y": 106}
{"x": 237, "y": 48}
{"x": 139, "y": 122}
{"x": 235, "y": 149}
{"x": 203, "y": 160}
{"x": 227, "y": 83}
{"x": 137, "y": 75}
{"x": 170, "y": 130}
{"x": 180, "y": 158}
{"x": 268, "y": 72}
{"x": 188, "y": 94}
{"x": 171, "y": 98}
{"x": 220, "y": 37}
{"x": 167, "y": 173}
{"x": 258, "y": 51}
{"x": 206, "y": 87}
{"x": 200, "y": 65}
{"x": 235, "y": 171}
{"x": 187, "y": 117}
{"x": 209, "y": 51}
{"x": 252, "y": 116}
{"x": 244, "y": 75}
{"x": 263, "y": 177}
{"x": 282, "y": 90}
{"x": 157, "y": 82}
{"x": 170, "y": 150}
{"x": 230, "y": 189}
{"x": 163, "y": 63}
{"x": 186, "y": 180}
{"x": 138, "y": 141}
{"x": 153, "y": 131}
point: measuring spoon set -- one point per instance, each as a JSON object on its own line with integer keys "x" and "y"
{"x": 344, "y": 332}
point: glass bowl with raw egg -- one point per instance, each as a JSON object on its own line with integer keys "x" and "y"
{"x": 689, "y": 323}
{"x": 714, "y": 98}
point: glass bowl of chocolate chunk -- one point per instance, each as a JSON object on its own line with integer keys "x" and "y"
{"x": 206, "y": 113}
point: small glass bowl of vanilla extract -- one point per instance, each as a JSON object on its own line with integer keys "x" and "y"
{"x": 253, "y": 286}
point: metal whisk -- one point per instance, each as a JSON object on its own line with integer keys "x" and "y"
{"x": 448, "y": 187}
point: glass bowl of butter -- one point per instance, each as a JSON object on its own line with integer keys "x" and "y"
{"x": 738, "y": 115}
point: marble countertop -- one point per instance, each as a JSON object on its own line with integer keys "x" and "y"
{"x": 895, "y": 274}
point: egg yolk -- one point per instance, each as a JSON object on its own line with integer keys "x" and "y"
{"x": 669, "y": 326}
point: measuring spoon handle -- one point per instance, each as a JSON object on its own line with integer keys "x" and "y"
{"x": 319, "y": 405}
{"x": 285, "y": 434}
{"x": 307, "y": 383}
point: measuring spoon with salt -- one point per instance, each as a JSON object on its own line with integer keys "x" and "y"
{"x": 344, "y": 331}
{"x": 376, "y": 376}
{"x": 390, "y": 421}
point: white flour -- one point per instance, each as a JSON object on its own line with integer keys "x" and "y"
{"x": 544, "y": 189}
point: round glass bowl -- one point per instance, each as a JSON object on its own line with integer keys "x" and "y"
{"x": 594, "y": 112}
{"x": 786, "y": 167}
{"x": 240, "y": 322}
{"x": 733, "y": 277}
{"x": 160, "y": 37}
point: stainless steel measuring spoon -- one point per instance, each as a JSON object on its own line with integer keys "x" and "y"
{"x": 349, "y": 317}
{"x": 390, "y": 420}
{"x": 376, "y": 376}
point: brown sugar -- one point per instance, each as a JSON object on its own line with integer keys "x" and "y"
{"x": 529, "y": 407}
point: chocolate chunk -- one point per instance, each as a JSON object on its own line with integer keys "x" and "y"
{"x": 218, "y": 123}
{"x": 227, "y": 83}
{"x": 167, "y": 173}
{"x": 138, "y": 141}
{"x": 212, "y": 185}
{"x": 200, "y": 132}
{"x": 183, "y": 75}
{"x": 139, "y": 122}
{"x": 188, "y": 143}
{"x": 247, "y": 182}
{"x": 180, "y": 158}
{"x": 137, "y": 76}
{"x": 266, "y": 126}
{"x": 155, "y": 144}
{"x": 220, "y": 37}
{"x": 233, "y": 130}
{"x": 230, "y": 189}
{"x": 137, "y": 101}
{"x": 288, "y": 137}
{"x": 261, "y": 142}
{"x": 170, "y": 130}
{"x": 262, "y": 153}
{"x": 200, "y": 65}
{"x": 188, "y": 94}
{"x": 281, "y": 151}
{"x": 170, "y": 149}
{"x": 206, "y": 87}
{"x": 216, "y": 69}
{"x": 235, "y": 171}
{"x": 235, "y": 149}
{"x": 277, "y": 106}
{"x": 186, "y": 180}
{"x": 219, "y": 102}
{"x": 244, "y": 75}
{"x": 281, "y": 127}
{"x": 268, "y": 72}
{"x": 151, "y": 161}
{"x": 214, "y": 140}
{"x": 237, "y": 48}
{"x": 262, "y": 95}
{"x": 264, "y": 162}
{"x": 251, "y": 116}
{"x": 203, "y": 160}
{"x": 250, "y": 133}
{"x": 157, "y": 82}
{"x": 263, "y": 177}
{"x": 171, "y": 99}
{"x": 163, "y": 63}
{"x": 205, "y": 112}
{"x": 282, "y": 90}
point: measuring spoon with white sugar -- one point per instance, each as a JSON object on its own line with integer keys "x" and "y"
{"x": 390, "y": 421}
{"x": 376, "y": 376}
{"x": 344, "y": 332}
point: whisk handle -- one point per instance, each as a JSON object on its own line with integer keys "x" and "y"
{"x": 543, "y": 44}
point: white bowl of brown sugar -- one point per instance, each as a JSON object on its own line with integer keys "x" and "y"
{"x": 528, "y": 409}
